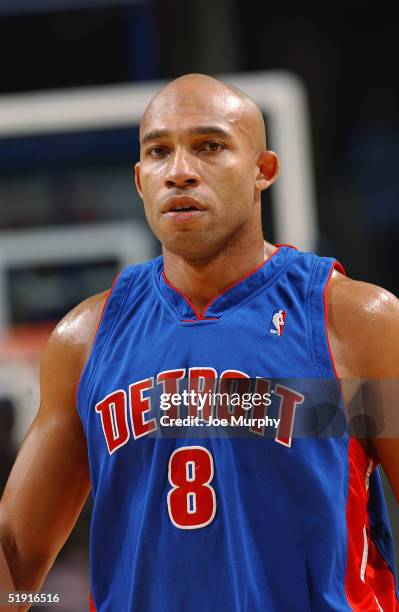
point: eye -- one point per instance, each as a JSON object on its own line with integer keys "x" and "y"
{"x": 211, "y": 146}
{"x": 157, "y": 151}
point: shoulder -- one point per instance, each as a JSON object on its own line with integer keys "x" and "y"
{"x": 69, "y": 345}
{"x": 363, "y": 325}
{"x": 79, "y": 325}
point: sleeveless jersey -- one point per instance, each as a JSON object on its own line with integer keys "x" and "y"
{"x": 244, "y": 523}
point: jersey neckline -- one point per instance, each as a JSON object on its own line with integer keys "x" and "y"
{"x": 229, "y": 298}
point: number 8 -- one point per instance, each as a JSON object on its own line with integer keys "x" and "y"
{"x": 192, "y": 501}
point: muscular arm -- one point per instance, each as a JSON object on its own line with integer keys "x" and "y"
{"x": 364, "y": 335}
{"x": 49, "y": 482}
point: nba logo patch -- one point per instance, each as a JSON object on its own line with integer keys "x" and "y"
{"x": 277, "y": 323}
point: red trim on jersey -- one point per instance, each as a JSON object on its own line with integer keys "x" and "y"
{"x": 104, "y": 306}
{"x": 201, "y": 315}
{"x": 96, "y": 332}
{"x": 198, "y": 314}
{"x": 340, "y": 268}
{"x": 337, "y": 264}
{"x": 92, "y": 606}
{"x": 202, "y": 319}
{"x": 369, "y": 582}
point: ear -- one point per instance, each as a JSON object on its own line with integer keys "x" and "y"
{"x": 137, "y": 179}
{"x": 268, "y": 166}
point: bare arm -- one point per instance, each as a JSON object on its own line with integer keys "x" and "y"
{"x": 364, "y": 334}
{"x": 49, "y": 482}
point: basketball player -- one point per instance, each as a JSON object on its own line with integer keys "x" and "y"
{"x": 254, "y": 523}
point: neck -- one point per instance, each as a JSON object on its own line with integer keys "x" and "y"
{"x": 202, "y": 279}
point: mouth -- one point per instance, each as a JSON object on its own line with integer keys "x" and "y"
{"x": 182, "y": 208}
{"x": 181, "y": 204}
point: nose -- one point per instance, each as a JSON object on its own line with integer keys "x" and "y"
{"x": 181, "y": 173}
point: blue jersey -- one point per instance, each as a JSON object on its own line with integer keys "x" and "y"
{"x": 192, "y": 521}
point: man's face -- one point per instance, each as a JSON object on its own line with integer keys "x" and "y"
{"x": 198, "y": 153}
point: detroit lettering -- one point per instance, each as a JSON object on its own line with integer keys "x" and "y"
{"x": 128, "y": 415}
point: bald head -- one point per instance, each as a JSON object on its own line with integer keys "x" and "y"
{"x": 192, "y": 93}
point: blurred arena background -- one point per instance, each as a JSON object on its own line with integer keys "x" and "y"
{"x": 75, "y": 76}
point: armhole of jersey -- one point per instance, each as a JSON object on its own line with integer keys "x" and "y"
{"x": 118, "y": 286}
{"x": 320, "y": 347}
{"x": 318, "y": 317}
{"x": 335, "y": 266}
